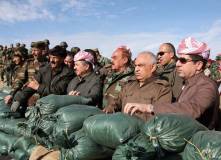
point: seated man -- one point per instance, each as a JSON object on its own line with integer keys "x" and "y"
{"x": 145, "y": 89}
{"x": 19, "y": 74}
{"x": 51, "y": 79}
{"x": 167, "y": 68}
{"x": 199, "y": 97}
{"x": 119, "y": 74}
{"x": 86, "y": 83}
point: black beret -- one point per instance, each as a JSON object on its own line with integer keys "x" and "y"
{"x": 58, "y": 51}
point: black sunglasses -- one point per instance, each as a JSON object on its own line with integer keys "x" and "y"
{"x": 184, "y": 60}
{"x": 161, "y": 53}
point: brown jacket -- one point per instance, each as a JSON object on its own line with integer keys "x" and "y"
{"x": 199, "y": 99}
{"x": 152, "y": 92}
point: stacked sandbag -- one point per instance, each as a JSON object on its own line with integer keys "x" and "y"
{"x": 70, "y": 119}
{"x": 11, "y": 126}
{"x": 22, "y": 148}
{"x": 51, "y": 103}
{"x": 6, "y": 143}
{"x": 39, "y": 117}
{"x": 139, "y": 147}
{"x": 5, "y": 111}
{"x": 204, "y": 145}
{"x": 111, "y": 130}
{"x": 170, "y": 132}
{"x": 83, "y": 148}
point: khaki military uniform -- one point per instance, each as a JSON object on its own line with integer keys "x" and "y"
{"x": 113, "y": 84}
{"x": 153, "y": 91}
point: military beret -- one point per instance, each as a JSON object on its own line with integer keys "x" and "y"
{"x": 58, "y": 51}
{"x": 38, "y": 44}
{"x": 75, "y": 50}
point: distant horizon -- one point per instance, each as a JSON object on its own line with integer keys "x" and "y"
{"x": 141, "y": 25}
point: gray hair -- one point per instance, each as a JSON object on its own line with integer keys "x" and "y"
{"x": 153, "y": 57}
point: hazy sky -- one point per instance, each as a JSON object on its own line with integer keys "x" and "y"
{"x": 107, "y": 24}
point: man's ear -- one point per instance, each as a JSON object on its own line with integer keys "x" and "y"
{"x": 171, "y": 54}
{"x": 199, "y": 65}
{"x": 154, "y": 68}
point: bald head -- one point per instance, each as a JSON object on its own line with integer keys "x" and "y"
{"x": 145, "y": 66}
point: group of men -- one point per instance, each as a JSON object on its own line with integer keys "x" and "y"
{"x": 149, "y": 85}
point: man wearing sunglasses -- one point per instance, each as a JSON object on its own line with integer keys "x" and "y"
{"x": 199, "y": 97}
{"x": 166, "y": 59}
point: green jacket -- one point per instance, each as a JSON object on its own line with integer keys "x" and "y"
{"x": 169, "y": 73}
{"x": 114, "y": 83}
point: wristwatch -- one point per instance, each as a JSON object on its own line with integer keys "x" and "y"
{"x": 151, "y": 107}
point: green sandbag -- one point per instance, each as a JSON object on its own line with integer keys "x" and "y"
{"x": 6, "y": 143}
{"x": 173, "y": 156}
{"x": 51, "y": 103}
{"x": 5, "y": 111}
{"x": 70, "y": 119}
{"x": 111, "y": 130}
{"x": 137, "y": 148}
{"x": 11, "y": 126}
{"x": 204, "y": 145}
{"x": 83, "y": 148}
{"x": 25, "y": 144}
{"x": 2, "y": 95}
{"x": 170, "y": 131}
{"x": 19, "y": 155}
{"x": 23, "y": 148}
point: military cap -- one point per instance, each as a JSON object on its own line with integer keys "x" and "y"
{"x": 18, "y": 44}
{"x": 38, "y": 44}
{"x": 47, "y": 42}
{"x": 64, "y": 44}
{"x": 19, "y": 52}
{"x": 58, "y": 51}
{"x": 75, "y": 50}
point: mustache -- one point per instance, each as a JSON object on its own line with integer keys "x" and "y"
{"x": 53, "y": 62}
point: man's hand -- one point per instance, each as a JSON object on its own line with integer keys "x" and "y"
{"x": 108, "y": 110}
{"x": 8, "y": 99}
{"x": 131, "y": 108}
{"x": 74, "y": 93}
{"x": 33, "y": 84}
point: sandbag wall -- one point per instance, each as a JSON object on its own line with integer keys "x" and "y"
{"x": 83, "y": 132}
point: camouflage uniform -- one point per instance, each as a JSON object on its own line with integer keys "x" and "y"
{"x": 169, "y": 73}
{"x": 113, "y": 84}
{"x": 19, "y": 77}
{"x": 8, "y": 65}
{"x": 103, "y": 61}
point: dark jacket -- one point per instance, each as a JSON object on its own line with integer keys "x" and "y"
{"x": 89, "y": 86}
{"x": 53, "y": 82}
